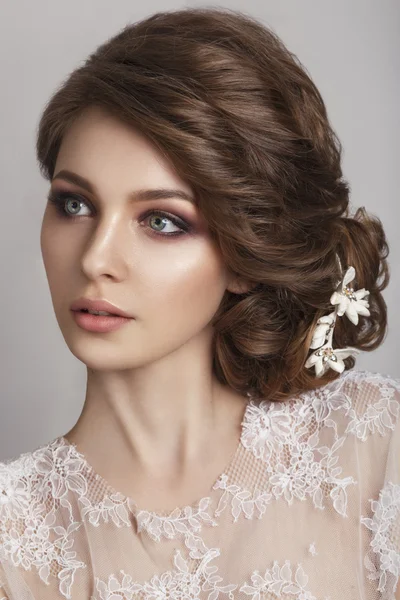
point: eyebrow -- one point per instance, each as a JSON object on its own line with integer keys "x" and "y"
{"x": 137, "y": 195}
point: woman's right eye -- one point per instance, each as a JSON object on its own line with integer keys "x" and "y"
{"x": 67, "y": 204}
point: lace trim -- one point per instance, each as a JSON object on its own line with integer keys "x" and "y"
{"x": 183, "y": 521}
{"x": 386, "y": 514}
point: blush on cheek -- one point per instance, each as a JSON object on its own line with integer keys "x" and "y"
{"x": 196, "y": 296}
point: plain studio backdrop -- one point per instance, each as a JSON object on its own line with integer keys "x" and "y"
{"x": 351, "y": 49}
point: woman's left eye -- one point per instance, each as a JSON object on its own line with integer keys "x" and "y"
{"x": 162, "y": 217}
{"x": 59, "y": 199}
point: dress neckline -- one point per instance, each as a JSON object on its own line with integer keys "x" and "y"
{"x": 129, "y": 501}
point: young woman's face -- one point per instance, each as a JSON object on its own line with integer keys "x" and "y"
{"x": 113, "y": 247}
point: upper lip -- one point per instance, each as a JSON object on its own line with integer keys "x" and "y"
{"x": 98, "y": 304}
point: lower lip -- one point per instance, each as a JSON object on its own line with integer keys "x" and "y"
{"x": 99, "y": 323}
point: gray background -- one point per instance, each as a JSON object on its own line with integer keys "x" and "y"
{"x": 351, "y": 48}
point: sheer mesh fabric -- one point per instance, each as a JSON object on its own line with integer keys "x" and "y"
{"x": 307, "y": 509}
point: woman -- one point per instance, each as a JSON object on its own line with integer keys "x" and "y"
{"x": 226, "y": 448}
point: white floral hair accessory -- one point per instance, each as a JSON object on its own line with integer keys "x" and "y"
{"x": 348, "y": 302}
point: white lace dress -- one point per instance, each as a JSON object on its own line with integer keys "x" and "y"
{"x": 307, "y": 509}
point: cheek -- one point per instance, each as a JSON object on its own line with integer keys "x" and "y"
{"x": 188, "y": 286}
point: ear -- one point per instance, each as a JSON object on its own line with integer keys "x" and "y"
{"x": 240, "y": 285}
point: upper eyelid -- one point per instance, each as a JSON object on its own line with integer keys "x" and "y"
{"x": 66, "y": 193}
{"x": 56, "y": 191}
{"x": 62, "y": 192}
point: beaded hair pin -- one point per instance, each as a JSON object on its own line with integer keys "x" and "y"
{"x": 348, "y": 302}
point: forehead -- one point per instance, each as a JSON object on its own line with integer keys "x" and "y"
{"x": 104, "y": 150}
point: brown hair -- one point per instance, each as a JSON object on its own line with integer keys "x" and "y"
{"x": 242, "y": 122}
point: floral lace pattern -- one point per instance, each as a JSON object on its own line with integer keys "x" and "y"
{"x": 271, "y": 430}
{"x": 182, "y": 584}
{"x": 172, "y": 585}
{"x": 381, "y": 415}
{"x": 386, "y": 513}
{"x": 180, "y": 521}
{"x": 279, "y": 580}
{"x": 26, "y": 486}
{"x": 293, "y": 461}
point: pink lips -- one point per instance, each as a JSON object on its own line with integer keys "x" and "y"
{"x": 98, "y": 304}
{"x": 98, "y": 323}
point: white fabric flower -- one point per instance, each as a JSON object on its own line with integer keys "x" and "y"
{"x": 325, "y": 358}
{"x": 324, "y": 324}
{"x": 350, "y": 302}
{"x": 346, "y": 301}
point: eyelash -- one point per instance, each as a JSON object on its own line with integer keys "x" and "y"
{"x": 59, "y": 198}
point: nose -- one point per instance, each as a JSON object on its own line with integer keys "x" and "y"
{"x": 106, "y": 248}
